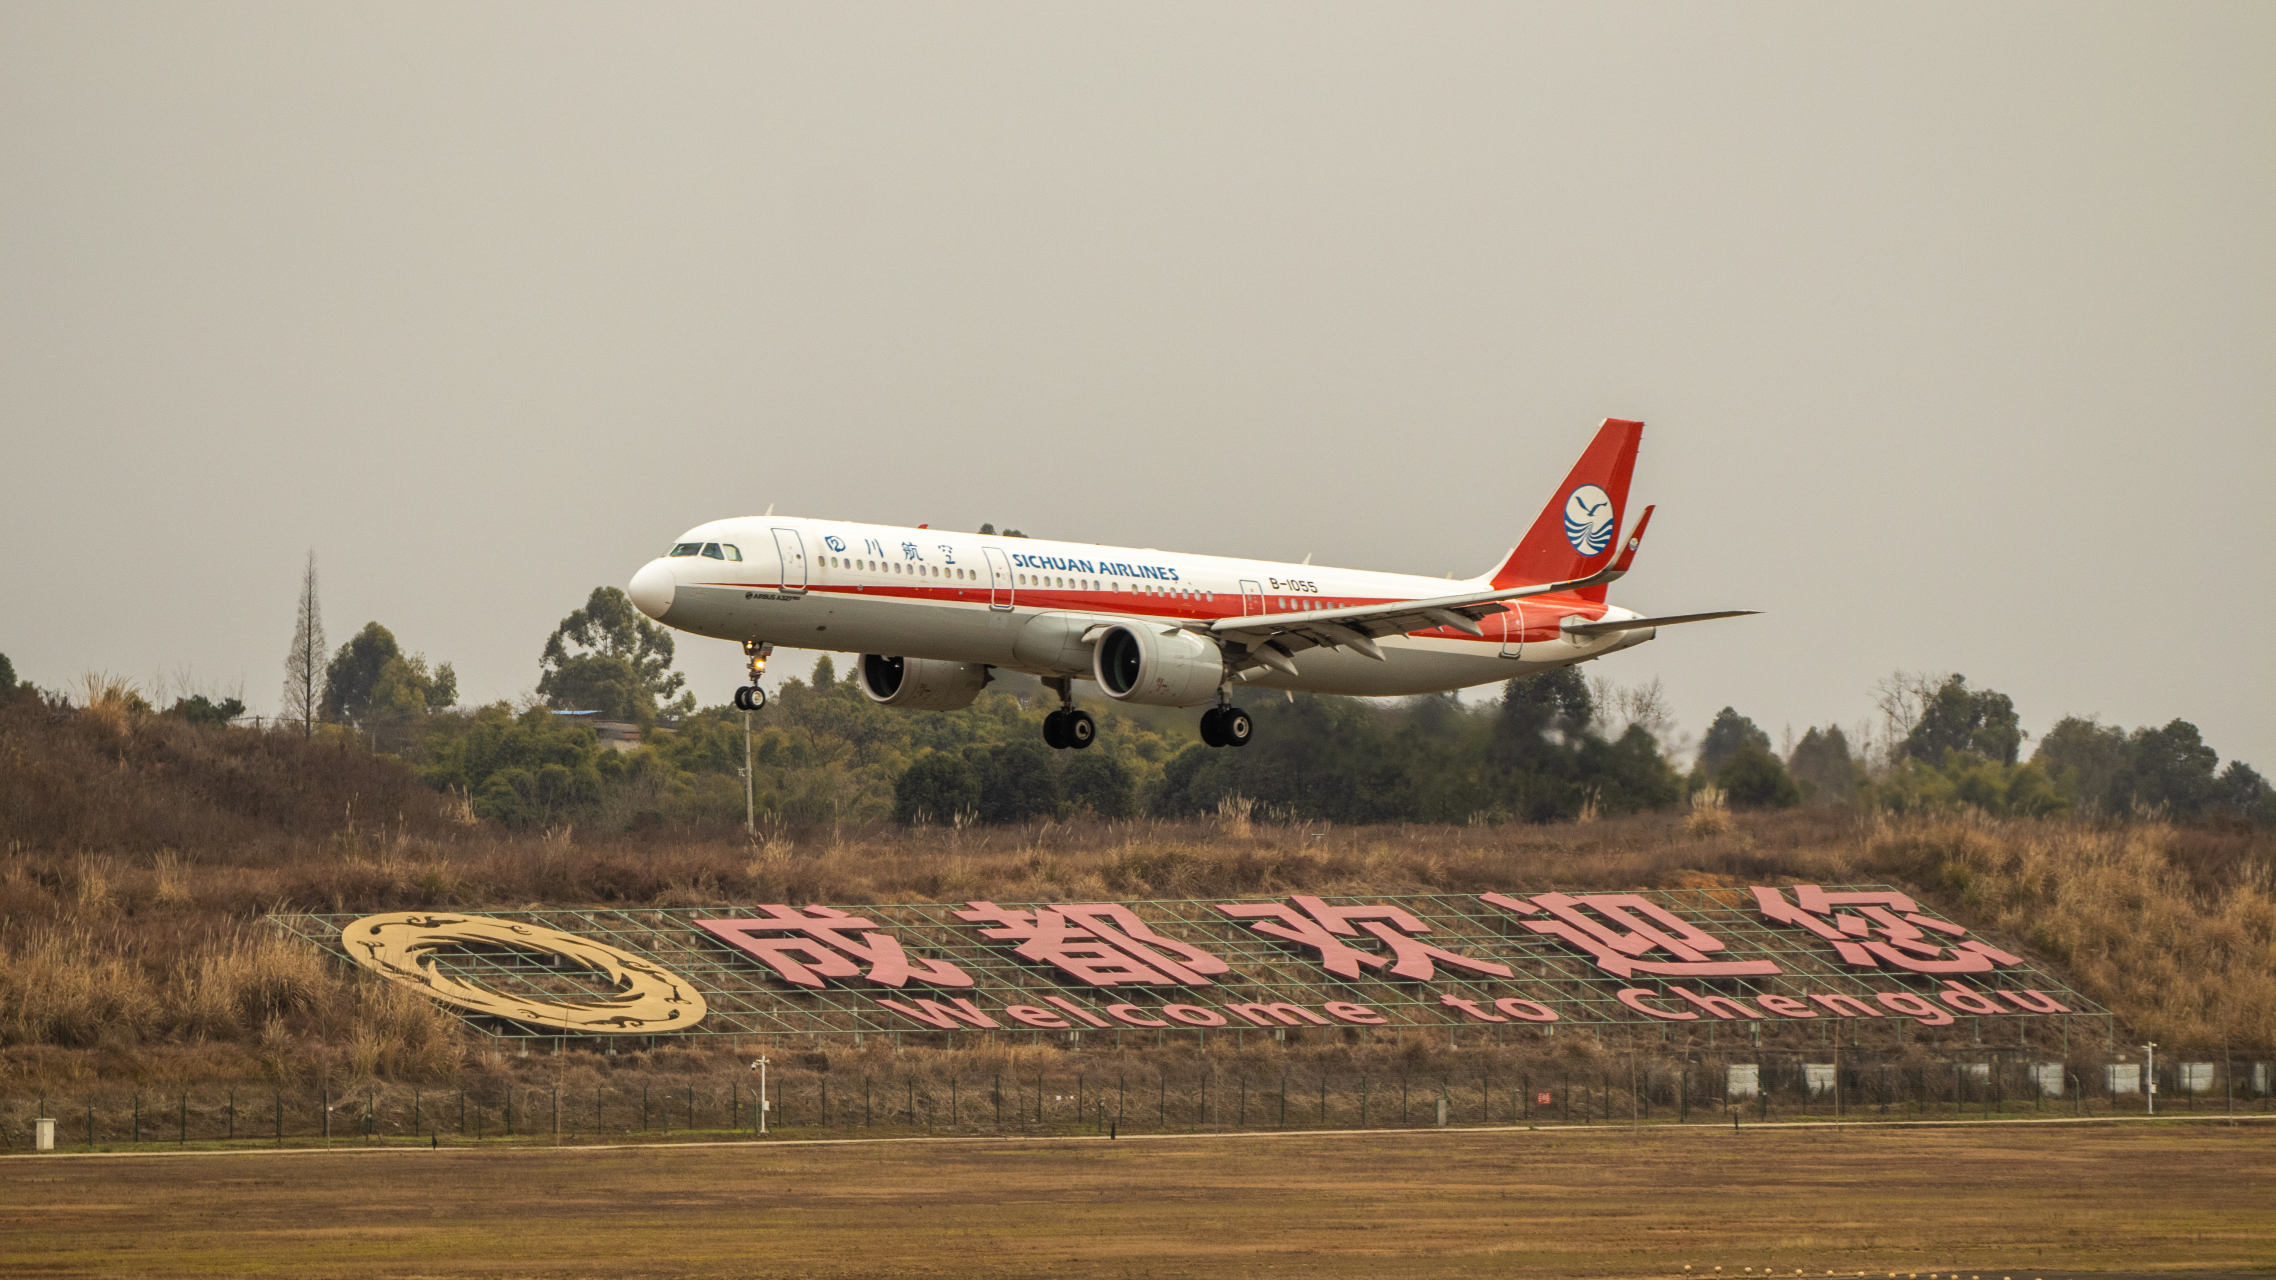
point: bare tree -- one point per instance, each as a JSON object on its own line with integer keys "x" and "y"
{"x": 304, "y": 665}
{"x": 1619, "y": 706}
{"x": 1901, "y": 697}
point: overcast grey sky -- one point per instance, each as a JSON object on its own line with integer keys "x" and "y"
{"x": 1953, "y": 325}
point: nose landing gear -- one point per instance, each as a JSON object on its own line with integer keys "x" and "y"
{"x": 1067, "y": 728}
{"x": 751, "y": 697}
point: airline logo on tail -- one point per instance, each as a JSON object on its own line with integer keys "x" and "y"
{"x": 1589, "y": 519}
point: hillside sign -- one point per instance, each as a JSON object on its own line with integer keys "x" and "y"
{"x": 1760, "y": 954}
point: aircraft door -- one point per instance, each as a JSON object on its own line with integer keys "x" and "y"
{"x": 1000, "y": 585}
{"x": 1513, "y": 631}
{"x": 791, "y": 548}
{"x": 1252, "y": 598}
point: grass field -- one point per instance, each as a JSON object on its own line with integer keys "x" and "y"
{"x": 2011, "y": 1201}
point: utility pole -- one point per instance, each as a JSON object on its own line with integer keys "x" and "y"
{"x": 761, "y": 1067}
{"x": 2151, "y": 1086}
{"x": 750, "y": 809}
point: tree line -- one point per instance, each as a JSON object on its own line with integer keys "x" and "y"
{"x": 1552, "y": 747}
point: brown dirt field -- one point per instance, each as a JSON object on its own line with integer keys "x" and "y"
{"x": 2021, "y": 1201}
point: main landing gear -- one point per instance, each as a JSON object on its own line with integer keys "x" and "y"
{"x": 1227, "y": 726}
{"x": 1067, "y": 728}
{"x": 751, "y": 697}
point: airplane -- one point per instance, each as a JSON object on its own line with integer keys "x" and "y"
{"x": 934, "y": 614}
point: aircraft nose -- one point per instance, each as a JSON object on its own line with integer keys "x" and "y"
{"x": 651, "y": 589}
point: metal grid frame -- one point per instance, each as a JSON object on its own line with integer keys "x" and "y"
{"x": 749, "y": 1000}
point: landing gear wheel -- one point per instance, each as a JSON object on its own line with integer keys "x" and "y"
{"x": 750, "y": 698}
{"x": 1078, "y": 729}
{"x": 1235, "y": 727}
{"x": 1211, "y": 733}
{"x": 1055, "y": 731}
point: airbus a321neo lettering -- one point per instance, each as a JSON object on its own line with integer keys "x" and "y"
{"x": 933, "y": 613}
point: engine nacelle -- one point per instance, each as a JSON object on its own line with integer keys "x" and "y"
{"x": 1136, "y": 662}
{"x": 921, "y": 684}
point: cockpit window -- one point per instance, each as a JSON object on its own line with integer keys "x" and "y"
{"x": 712, "y": 550}
{"x": 732, "y": 552}
{"x": 688, "y": 549}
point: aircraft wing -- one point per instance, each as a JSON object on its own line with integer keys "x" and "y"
{"x": 1271, "y": 638}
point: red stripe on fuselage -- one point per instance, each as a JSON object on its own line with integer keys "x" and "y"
{"x": 1543, "y": 614}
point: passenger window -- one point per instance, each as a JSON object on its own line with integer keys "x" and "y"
{"x": 733, "y": 553}
{"x": 711, "y": 551}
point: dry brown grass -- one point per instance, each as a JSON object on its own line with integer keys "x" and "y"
{"x": 2123, "y": 910}
{"x": 123, "y": 965}
{"x": 60, "y": 985}
{"x": 1709, "y": 816}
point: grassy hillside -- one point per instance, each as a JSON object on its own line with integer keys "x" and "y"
{"x": 141, "y": 854}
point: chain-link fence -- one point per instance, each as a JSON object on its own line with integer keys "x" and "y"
{"x": 949, "y": 1093}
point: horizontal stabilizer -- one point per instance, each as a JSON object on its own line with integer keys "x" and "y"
{"x": 1640, "y": 624}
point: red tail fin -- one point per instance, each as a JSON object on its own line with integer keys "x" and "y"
{"x": 1578, "y": 532}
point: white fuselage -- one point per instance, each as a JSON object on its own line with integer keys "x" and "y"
{"x": 1026, "y": 604}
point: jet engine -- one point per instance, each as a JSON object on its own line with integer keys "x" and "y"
{"x": 1137, "y": 662}
{"x": 922, "y": 684}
